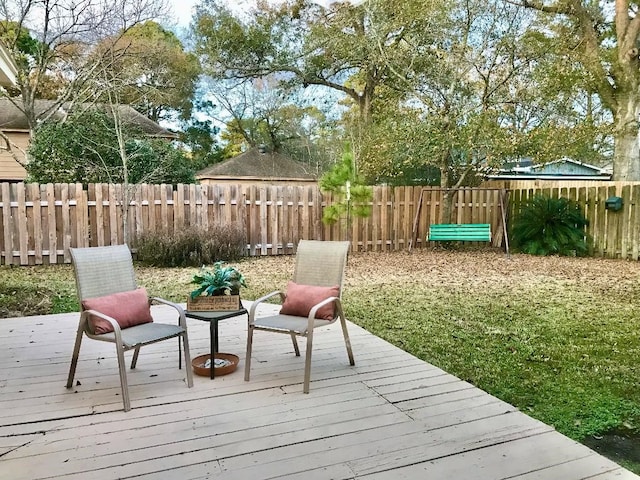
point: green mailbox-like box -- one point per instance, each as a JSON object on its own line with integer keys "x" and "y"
{"x": 613, "y": 203}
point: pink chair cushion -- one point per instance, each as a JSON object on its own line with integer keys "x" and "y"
{"x": 301, "y": 298}
{"x": 127, "y": 308}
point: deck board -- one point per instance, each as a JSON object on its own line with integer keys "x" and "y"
{"x": 389, "y": 416}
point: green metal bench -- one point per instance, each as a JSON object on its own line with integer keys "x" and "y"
{"x": 472, "y": 232}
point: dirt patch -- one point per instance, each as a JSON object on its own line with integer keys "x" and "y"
{"x": 23, "y": 301}
{"x": 617, "y": 445}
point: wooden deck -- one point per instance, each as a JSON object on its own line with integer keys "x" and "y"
{"x": 391, "y": 416}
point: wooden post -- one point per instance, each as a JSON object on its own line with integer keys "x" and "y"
{"x": 416, "y": 221}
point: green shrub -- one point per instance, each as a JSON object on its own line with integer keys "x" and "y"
{"x": 90, "y": 136}
{"x": 550, "y": 226}
{"x": 192, "y": 247}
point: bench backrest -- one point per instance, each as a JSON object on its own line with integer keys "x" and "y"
{"x": 472, "y": 232}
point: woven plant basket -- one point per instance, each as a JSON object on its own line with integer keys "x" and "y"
{"x": 214, "y": 303}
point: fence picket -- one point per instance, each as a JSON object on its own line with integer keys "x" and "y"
{"x": 21, "y": 212}
{"x": 635, "y": 221}
{"x": 179, "y": 209}
{"x": 64, "y": 220}
{"x": 625, "y": 220}
{"x": 53, "y": 224}
{"x": 264, "y": 225}
{"x": 7, "y": 245}
{"x": 35, "y": 196}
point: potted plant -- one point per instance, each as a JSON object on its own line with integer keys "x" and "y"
{"x": 218, "y": 288}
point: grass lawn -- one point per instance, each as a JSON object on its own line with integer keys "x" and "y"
{"x": 557, "y": 337}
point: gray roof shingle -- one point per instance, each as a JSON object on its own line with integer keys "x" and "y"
{"x": 255, "y": 164}
{"x": 12, "y": 118}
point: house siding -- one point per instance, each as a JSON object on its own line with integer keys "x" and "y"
{"x": 10, "y": 170}
{"x": 8, "y": 69}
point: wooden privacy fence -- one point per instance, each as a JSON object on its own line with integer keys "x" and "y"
{"x": 39, "y": 223}
{"x": 611, "y": 234}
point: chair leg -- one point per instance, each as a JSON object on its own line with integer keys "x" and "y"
{"x": 347, "y": 342}
{"x": 187, "y": 360}
{"x": 295, "y": 344}
{"x": 307, "y": 363}
{"x": 123, "y": 379}
{"x": 134, "y": 360}
{"x": 76, "y": 354}
{"x": 247, "y": 358}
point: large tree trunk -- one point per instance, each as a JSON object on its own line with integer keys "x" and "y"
{"x": 626, "y": 157}
{"x": 445, "y": 183}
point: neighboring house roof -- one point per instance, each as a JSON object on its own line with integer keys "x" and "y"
{"x": 13, "y": 119}
{"x": 562, "y": 169}
{"x": 257, "y": 165}
{"x": 8, "y": 69}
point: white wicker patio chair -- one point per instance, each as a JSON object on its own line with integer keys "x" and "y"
{"x": 318, "y": 264}
{"x": 101, "y": 272}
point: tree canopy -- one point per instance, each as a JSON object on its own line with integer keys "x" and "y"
{"x": 157, "y": 76}
{"x": 102, "y": 54}
{"x": 262, "y": 113}
{"x": 60, "y": 45}
{"x": 597, "y": 44}
{"x": 427, "y": 91}
{"x": 458, "y": 86}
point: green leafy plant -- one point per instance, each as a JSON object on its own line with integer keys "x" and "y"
{"x": 550, "y": 226}
{"x": 217, "y": 281}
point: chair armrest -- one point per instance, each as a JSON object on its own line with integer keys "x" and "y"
{"x": 182, "y": 319}
{"x": 317, "y": 306}
{"x": 254, "y": 305}
{"x": 84, "y": 317}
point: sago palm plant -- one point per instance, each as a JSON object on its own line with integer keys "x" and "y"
{"x": 550, "y": 226}
{"x": 219, "y": 281}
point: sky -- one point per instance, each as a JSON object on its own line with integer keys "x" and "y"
{"x": 183, "y": 9}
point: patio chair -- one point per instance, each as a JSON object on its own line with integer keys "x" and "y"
{"x": 312, "y": 300}
{"x": 114, "y": 310}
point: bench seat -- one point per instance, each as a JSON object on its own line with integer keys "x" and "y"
{"x": 472, "y": 232}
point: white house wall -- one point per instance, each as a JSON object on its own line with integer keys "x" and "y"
{"x": 8, "y": 69}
